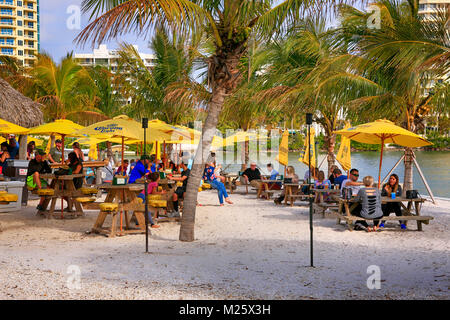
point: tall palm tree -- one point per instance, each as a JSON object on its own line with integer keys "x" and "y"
{"x": 397, "y": 65}
{"x": 228, "y": 23}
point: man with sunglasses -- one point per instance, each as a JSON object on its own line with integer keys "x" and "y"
{"x": 352, "y": 182}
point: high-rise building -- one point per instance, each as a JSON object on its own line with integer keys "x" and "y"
{"x": 20, "y": 30}
{"x": 428, "y": 7}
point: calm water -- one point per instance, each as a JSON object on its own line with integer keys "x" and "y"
{"x": 434, "y": 165}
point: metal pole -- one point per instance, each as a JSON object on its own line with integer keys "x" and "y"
{"x": 145, "y": 126}
{"x": 310, "y": 199}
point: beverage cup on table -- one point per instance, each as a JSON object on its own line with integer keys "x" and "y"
{"x": 392, "y": 195}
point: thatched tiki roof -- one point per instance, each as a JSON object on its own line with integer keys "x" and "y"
{"x": 18, "y": 109}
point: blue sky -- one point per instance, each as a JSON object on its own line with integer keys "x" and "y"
{"x": 57, "y": 38}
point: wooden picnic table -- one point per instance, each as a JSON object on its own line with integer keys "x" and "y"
{"x": 86, "y": 164}
{"x": 270, "y": 185}
{"x": 289, "y": 195}
{"x": 126, "y": 198}
{"x": 347, "y": 206}
{"x": 64, "y": 188}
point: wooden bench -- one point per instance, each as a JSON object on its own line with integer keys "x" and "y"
{"x": 350, "y": 219}
{"x": 302, "y": 197}
{"x": 323, "y": 207}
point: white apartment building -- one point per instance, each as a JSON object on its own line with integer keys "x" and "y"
{"x": 428, "y": 7}
{"x": 107, "y": 57}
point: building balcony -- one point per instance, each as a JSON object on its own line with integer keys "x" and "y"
{"x": 7, "y": 3}
{"x": 4, "y": 23}
{"x": 7, "y": 14}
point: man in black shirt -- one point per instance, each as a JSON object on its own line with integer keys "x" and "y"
{"x": 36, "y": 167}
{"x": 179, "y": 192}
{"x": 252, "y": 176}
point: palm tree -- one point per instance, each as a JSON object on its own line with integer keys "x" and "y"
{"x": 295, "y": 74}
{"x": 66, "y": 90}
{"x": 394, "y": 69}
{"x": 228, "y": 23}
{"x": 146, "y": 87}
{"x": 13, "y": 71}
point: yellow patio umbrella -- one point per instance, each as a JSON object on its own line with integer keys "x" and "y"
{"x": 304, "y": 154}
{"x": 283, "y": 153}
{"x": 62, "y": 127}
{"x": 8, "y": 127}
{"x": 381, "y": 132}
{"x": 92, "y": 142}
{"x": 344, "y": 156}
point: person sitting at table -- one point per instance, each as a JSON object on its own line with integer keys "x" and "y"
{"x": 131, "y": 166}
{"x": 36, "y": 167}
{"x": 338, "y": 177}
{"x": 331, "y": 177}
{"x": 122, "y": 169}
{"x": 76, "y": 166}
{"x": 140, "y": 170}
{"x": 77, "y": 149}
{"x": 392, "y": 186}
{"x": 152, "y": 188}
{"x": 31, "y": 146}
{"x": 252, "y": 176}
{"x": 290, "y": 174}
{"x": 54, "y": 156}
{"x": 273, "y": 174}
{"x": 13, "y": 146}
{"x": 369, "y": 206}
{"x": 179, "y": 192}
{"x": 5, "y": 156}
{"x": 352, "y": 182}
{"x": 210, "y": 177}
{"x": 322, "y": 183}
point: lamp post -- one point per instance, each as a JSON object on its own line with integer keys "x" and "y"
{"x": 145, "y": 126}
{"x": 309, "y": 120}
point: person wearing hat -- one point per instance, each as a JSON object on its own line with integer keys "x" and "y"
{"x": 55, "y": 154}
{"x": 140, "y": 169}
{"x": 36, "y": 167}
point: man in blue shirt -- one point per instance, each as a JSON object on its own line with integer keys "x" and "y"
{"x": 140, "y": 169}
{"x": 338, "y": 177}
{"x": 13, "y": 146}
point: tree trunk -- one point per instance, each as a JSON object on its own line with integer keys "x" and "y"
{"x": 331, "y": 144}
{"x": 190, "y": 198}
{"x": 23, "y": 144}
{"x": 408, "y": 178}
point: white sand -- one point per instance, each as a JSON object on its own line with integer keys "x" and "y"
{"x": 252, "y": 249}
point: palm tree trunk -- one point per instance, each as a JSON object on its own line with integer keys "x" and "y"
{"x": 331, "y": 144}
{"x": 408, "y": 178}
{"x": 190, "y": 198}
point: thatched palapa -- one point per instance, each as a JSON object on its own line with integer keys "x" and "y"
{"x": 18, "y": 109}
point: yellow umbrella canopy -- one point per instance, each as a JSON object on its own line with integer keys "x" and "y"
{"x": 383, "y": 131}
{"x": 8, "y": 127}
{"x": 283, "y": 153}
{"x": 118, "y": 127}
{"x": 62, "y": 127}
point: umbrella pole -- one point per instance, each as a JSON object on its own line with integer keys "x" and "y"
{"x": 381, "y": 162}
{"x": 62, "y": 182}
{"x": 123, "y": 190}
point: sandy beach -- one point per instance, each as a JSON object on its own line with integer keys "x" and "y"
{"x": 249, "y": 250}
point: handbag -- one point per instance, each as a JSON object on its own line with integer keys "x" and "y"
{"x": 287, "y": 180}
{"x": 412, "y": 194}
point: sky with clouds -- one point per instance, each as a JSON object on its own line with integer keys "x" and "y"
{"x": 57, "y": 38}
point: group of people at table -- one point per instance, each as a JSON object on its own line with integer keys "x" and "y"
{"x": 364, "y": 193}
{"x": 148, "y": 167}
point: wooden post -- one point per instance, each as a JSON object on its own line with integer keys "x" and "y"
{"x": 423, "y": 179}
{"x": 23, "y": 147}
